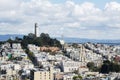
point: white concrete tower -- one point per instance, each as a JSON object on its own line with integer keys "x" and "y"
{"x": 36, "y": 29}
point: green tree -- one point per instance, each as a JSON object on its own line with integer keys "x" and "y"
{"x": 31, "y": 35}
{"x": 109, "y": 67}
{"x": 77, "y": 77}
{"x": 75, "y": 45}
{"x": 105, "y": 68}
{"x": 90, "y": 65}
{"x": 45, "y": 39}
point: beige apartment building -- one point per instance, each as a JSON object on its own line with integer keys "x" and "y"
{"x": 42, "y": 74}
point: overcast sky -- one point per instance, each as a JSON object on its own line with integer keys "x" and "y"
{"x": 94, "y": 19}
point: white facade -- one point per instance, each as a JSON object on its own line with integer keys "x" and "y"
{"x": 33, "y": 47}
{"x": 68, "y": 76}
{"x": 16, "y": 46}
{"x": 70, "y": 66}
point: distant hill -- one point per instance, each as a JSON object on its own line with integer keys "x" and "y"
{"x": 67, "y": 40}
{"x": 8, "y": 36}
{"x": 83, "y": 40}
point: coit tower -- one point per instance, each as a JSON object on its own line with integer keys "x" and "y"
{"x": 36, "y": 29}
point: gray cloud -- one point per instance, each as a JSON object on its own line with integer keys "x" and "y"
{"x": 73, "y": 20}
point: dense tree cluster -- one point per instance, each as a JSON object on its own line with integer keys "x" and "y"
{"x": 42, "y": 40}
{"x": 105, "y": 68}
{"x": 1, "y": 42}
{"x": 92, "y": 66}
{"x": 110, "y": 67}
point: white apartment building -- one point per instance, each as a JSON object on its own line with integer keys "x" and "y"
{"x": 33, "y": 47}
{"x": 18, "y": 51}
{"x": 70, "y": 66}
{"x": 16, "y": 46}
{"x": 68, "y": 76}
{"x": 6, "y": 45}
{"x": 84, "y": 55}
